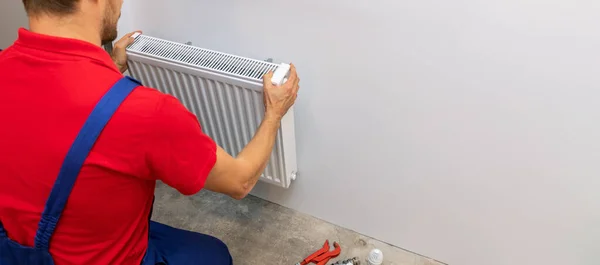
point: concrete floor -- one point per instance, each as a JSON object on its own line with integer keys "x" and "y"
{"x": 262, "y": 233}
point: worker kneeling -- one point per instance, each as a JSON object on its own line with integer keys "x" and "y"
{"x": 83, "y": 146}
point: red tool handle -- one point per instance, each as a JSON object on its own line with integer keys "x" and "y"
{"x": 310, "y": 258}
{"x": 323, "y": 259}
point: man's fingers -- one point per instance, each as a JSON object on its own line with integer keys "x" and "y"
{"x": 293, "y": 74}
{"x": 127, "y": 39}
{"x": 295, "y": 78}
{"x": 267, "y": 78}
{"x": 128, "y": 35}
{"x": 296, "y": 81}
{"x": 296, "y": 86}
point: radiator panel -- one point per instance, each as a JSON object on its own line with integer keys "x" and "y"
{"x": 224, "y": 91}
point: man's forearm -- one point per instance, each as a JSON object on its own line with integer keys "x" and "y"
{"x": 237, "y": 176}
{"x": 257, "y": 152}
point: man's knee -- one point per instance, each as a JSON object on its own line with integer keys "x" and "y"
{"x": 177, "y": 246}
{"x": 219, "y": 251}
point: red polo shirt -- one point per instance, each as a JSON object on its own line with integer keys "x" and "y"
{"x": 48, "y": 87}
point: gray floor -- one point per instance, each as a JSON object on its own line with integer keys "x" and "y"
{"x": 262, "y": 233}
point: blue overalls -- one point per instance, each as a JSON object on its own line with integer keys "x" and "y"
{"x": 166, "y": 245}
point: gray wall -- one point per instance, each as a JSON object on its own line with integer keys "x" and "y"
{"x": 12, "y": 17}
{"x": 464, "y": 130}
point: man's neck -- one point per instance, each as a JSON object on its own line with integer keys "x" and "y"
{"x": 73, "y": 27}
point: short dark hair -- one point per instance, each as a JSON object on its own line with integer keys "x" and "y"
{"x": 58, "y": 7}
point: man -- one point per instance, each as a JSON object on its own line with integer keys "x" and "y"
{"x": 53, "y": 81}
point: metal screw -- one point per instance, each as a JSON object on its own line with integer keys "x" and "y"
{"x": 293, "y": 175}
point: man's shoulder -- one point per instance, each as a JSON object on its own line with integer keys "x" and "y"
{"x": 145, "y": 98}
{"x": 148, "y": 102}
{"x": 7, "y": 52}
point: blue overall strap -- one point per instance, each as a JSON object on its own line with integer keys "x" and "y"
{"x": 77, "y": 154}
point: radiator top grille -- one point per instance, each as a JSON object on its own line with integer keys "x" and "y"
{"x": 202, "y": 58}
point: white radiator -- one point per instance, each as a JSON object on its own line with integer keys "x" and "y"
{"x": 223, "y": 90}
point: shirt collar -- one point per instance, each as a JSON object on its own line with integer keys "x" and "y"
{"x": 65, "y": 46}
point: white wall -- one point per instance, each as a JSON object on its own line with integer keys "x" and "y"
{"x": 12, "y": 17}
{"x": 463, "y": 130}
{"x": 127, "y": 16}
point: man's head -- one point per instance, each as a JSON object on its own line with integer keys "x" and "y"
{"x": 104, "y": 13}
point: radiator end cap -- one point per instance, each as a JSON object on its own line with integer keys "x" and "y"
{"x": 281, "y": 74}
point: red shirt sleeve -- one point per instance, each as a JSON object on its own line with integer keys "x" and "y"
{"x": 181, "y": 155}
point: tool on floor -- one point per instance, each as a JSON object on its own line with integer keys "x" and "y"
{"x": 375, "y": 257}
{"x": 323, "y": 255}
{"x": 352, "y": 261}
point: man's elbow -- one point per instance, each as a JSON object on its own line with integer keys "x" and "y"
{"x": 241, "y": 192}
{"x": 244, "y": 180}
{"x": 239, "y": 195}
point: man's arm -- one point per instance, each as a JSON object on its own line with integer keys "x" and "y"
{"x": 237, "y": 176}
{"x": 179, "y": 143}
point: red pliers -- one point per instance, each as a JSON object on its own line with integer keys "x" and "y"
{"x": 323, "y": 255}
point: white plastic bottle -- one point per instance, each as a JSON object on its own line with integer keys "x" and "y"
{"x": 375, "y": 257}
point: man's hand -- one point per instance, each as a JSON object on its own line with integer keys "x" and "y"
{"x": 278, "y": 99}
{"x": 119, "y": 56}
